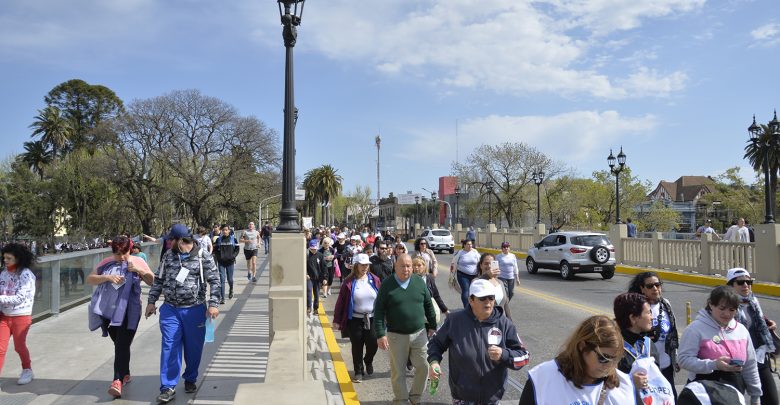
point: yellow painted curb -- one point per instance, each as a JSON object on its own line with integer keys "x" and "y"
{"x": 669, "y": 275}
{"x": 342, "y": 375}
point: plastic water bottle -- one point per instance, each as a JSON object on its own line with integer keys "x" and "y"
{"x": 433, "y": 386}
{"x": 209, "y": 330}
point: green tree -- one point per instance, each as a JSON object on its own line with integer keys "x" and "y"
{"x": 755, "y": 153}
{"x": 54, "y": 129}
{"x": 36, "y": 156}
{"x": 660, "y": 218}
{"x": 322, "y": 184}
{"x": 733, "y": 198}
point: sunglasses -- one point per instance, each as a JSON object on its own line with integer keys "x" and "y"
{"x": 487, "y": 298}
{"x": 603, "y": 359}
{"x": 656, "y": 285}
{"x": 743, "y": 282}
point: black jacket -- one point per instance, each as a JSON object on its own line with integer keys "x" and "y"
{"x": 315, "y": 266}
{"x": 381, "y": 268}
{"x": 226, "y": 250}
{"x": 628, "y": 359}
{"x": 477, "y": 378}
{"x": 435, "y": 293}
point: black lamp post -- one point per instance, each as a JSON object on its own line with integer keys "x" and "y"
{"x": 457, "y": 204}
{"x": 768, "y": 143}
{"x": 417, "y": 209}
{"x": 538, "y": 179}
{"x": 291, "y": 14}
{"x": 433, "y": 209}
{"x": 490, "y": 202}
{"x": 616, "y": 169}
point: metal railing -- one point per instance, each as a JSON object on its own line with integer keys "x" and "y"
{"x": 61, "y": 278}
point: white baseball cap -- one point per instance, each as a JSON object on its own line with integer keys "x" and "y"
{"x": 355, "y": 237}
{"x": 362, "y": 258}
{"x": 482, "y": 288}
{"x": 736, "y": 272}
{"x": 341, "y": 235}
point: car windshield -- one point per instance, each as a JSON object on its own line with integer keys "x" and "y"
{"x": 590, "y": 240}
{"x": 441, "y": 233}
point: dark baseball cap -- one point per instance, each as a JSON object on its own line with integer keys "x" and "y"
{"x": 179, "y": 231}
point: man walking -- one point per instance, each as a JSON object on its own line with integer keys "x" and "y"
{"x": 250, "y": 238}
{"x": 403, "y": 312}
{"x": 381, "y": 265}
{"x": 226, "y": 250}
{"x": 265, "y": 235}
{"x": 186, "y": 272}
{"x": 483, "y": 345}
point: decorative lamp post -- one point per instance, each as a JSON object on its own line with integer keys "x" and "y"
{"x": 457, "y": 204}
{"x": 417, "y": 209}
{"x": 433, "y": 209}
{"x": 538, "y": 178}
{"x": 755, "y": 136}
{"x": 616, "y": 169}
{"x": 490, "y": 202}
{"x": 291, "y": 12}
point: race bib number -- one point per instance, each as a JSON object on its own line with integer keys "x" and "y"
{"x": 183, "y": 273}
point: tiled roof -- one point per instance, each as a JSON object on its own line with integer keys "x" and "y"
{"x": 686, "y": 188}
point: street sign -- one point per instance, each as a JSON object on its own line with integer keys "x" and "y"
{"x": 406, "y": 199}
{"x": 300, "y": 195}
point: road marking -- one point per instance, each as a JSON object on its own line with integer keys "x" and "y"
{"x": 342, "y": 375}
{"x": 563, "y": 302}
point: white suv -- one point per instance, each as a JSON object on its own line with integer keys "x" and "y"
{"x": 573, "y": 252}
{"x": 439, "y": 239}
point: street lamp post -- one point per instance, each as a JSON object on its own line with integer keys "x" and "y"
{"x": 490, "y": 202}
{"x": 457, "y": 204}
{"x": 755, "y": 136}
{"x": 433, "y": 209}
{"x": 616, "y": 169}
{"x": 291, "y": 14}
{"x": 417, "y": 209}
{"x": 538, "y": 178}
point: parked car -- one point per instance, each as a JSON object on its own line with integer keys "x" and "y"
{"x": 439, "y": 240}
{"x": 572, "y": 253}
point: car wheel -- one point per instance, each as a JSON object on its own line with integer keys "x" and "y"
{"x": 608, "y": 274}
{"x": 452, "y": 251}
{"x": 566, "y": 272}
{"x": 531, "y": 266}
{"x": 599, "y": 254}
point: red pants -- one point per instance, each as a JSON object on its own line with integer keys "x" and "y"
{"x": 16, "y": 326}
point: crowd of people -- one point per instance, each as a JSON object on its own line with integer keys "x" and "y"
{"x": 388, "y": 299}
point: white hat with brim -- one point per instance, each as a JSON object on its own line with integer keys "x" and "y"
{"x": 341, "y": 236}
{"x": 736, "y": 272}
{"x": 362, "y": 258}
{"x": 355, "y": 237}
{"x": 482, "y": 288}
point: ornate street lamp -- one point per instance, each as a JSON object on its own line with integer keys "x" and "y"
{"x": 457, "y": 204}
{"x": 538, "y": 178}
{"x": 417, "y": 209}
{"x": 755, "y": 136}
{"x": 616, "y": 169}
{"x": 490, "y": 202}
{"x": 290, "y": 12}
{"x": 433, "y": 209}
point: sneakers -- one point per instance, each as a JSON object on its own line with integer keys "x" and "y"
{"x": 358, "y": 377}
{"x": 254, "y": 279}
{"x": 115, "y": 390}
{"x": 221, "y": 302}
{"x": 166, "y": 395}
{"x": 248, "y": 275}
{"x": 26, "y": 377}
{"x": 127, "y": 380}
{"x": 190, "y": 387}
{"x": 230, "y": 294}
{"x": 369, "y": 369}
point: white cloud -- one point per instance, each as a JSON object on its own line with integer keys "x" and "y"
{"x": 573, "y": 136}
{"x": 767, "y": 34}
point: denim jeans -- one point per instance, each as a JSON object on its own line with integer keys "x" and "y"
{"x": 225, "y": 272}
{"x": 464, "y": 280}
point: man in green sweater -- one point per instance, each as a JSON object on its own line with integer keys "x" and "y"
{"x": 404, "y": 319}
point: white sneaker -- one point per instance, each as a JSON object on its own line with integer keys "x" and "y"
{"x": 26, "y": 377}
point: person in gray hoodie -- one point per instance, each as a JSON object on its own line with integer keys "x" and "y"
{"x": 717, "y": 347}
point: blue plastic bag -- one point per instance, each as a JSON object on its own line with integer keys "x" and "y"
{"x": 210, "y": 326}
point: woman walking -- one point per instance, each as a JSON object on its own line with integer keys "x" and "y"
{"x": 420, "y": 268}
{"x": 635, "y": 319}
{"x": 464, "y": 265}
{"x": 509, "y": 272}
{"x": 328, "y": 254}
{"x": 117, "y": 309}
{"x": 421, "y": 250}
{"x": 354, "y": 313}
{"x": 664, "y": 333}
{"x": 17, "y": 293}
{"x": 489, "y": 271}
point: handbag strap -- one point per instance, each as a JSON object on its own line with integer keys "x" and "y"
{"x": 603, "y": 394}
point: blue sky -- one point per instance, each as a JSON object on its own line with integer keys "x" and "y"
{"x": 675, "y": 82}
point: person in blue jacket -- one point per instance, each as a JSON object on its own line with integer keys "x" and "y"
{"x": 483, "y": 345}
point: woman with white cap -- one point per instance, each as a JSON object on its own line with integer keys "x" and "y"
{"x": 750, "y": 314}
{"x": 354, "y": 314}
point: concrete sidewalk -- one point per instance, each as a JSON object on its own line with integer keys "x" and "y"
{"x": 75, "y": 366}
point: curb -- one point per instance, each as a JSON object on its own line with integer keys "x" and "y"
{"x": 342, "y": 375}
{"x": 671, "y": 275}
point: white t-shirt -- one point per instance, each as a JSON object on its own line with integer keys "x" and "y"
{"x": 205, "y": 242}
{"x": 666, "y": 325}
{"x": 467, "y": 261}
{"x": 363, "y": 297}
{"x": 250, "y": 240}
{"x": 552, "y": 388}
{"x": 507, "y": 263}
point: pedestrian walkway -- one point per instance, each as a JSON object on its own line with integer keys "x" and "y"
{"x": 74, "y": 366}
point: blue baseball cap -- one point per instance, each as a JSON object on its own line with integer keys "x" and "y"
{"x": 179, "y": 231}
{"x": 314, "y": 243}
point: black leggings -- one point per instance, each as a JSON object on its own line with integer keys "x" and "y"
{"x": 767, "y": 384}
{"x": 122, "y": 338}
{"x": 669, "y": 374}
{"x": 360, "y": 337}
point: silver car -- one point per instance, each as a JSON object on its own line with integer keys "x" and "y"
{"x": 439, "y": 240}
{"x": 573, "y": 252}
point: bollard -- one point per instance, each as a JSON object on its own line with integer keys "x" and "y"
{"x": 688, "y": 312}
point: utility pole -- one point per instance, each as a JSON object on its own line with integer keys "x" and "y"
{"x": 378, "y": 141}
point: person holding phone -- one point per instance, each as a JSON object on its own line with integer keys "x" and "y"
{"x": 717, "y": 347}
{"x": 488, "y": 269}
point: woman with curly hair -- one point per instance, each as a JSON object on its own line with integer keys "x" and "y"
{"x": 17, "y": 293}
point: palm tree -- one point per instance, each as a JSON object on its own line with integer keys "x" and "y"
{"x": 55, "y": 130}
{"x": 322, "y": 184}
{"x": 755, "y": 153}
{"x": 36, "y": 156}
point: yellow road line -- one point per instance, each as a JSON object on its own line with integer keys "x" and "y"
{"x": 560, "y": 301}
{"x": 342, "y": 375}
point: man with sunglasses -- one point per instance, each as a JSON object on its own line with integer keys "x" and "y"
{"x": 760, "y": 328}
{"x": 483, "y": 345}
{"x": 184, "y": 273}
{"x": 381, "y": 264}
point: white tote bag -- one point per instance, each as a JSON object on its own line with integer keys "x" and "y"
{"x": 658, "y": 387}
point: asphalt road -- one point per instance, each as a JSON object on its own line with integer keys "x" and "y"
{"x": 545, "y": 309}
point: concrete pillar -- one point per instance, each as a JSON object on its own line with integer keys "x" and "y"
{"x": 287, "y": 299}
{"x": 616, "y": 234}
{"x": 540, "y": 230}
{"x": 435, "y": 226}
{"x": 704, "y": 263}
{"x": 657, "y": 236}
{"x": 767, "y": 256}
{"x": 492, "y": 227}
{"x": 458, "y": 227}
